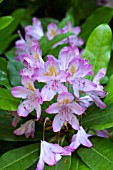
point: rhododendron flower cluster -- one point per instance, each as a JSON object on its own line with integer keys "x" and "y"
{"x": 66, "y": 89}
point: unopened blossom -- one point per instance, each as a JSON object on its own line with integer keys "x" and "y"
{"x": 32, "y": 96}
{"x": 28, "y": 128}
{"x": 15, "y": 119}
{"x": 105, "y": 3}
{"x": 81, "y": 138}
{"x": 50, "y": 154}
{"x": 53, "y": 77}
{"x": 65, "y": 107}
{"x": 102, "y": 133}
{"x": 35, "y": 30}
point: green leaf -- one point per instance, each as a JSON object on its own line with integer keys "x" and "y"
{"x": 46, "y": 45}
{"x": 63, "y": 164}
{"x": 109, "y": 87}
{"x": 77, "y": 163}
{"x": 98, "y": 47}
{"x": 1, "y": 1}
{"x": 20, "y": 158}
{"x": 7, "y": 101}
{"x": 100, "y": 156}
{"x": 96, "y": 19}
{"x": 5, "y": 21}
{"x": 100, "y": 119}
{"x": 14, "y": 68}
{"x": 3, "y": 73}
{"x": 7, "y": 32}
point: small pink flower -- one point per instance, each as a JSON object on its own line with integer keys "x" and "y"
{"x": 32, "y": 96}
{"x": 35, "y": 30}
{"x": 53, "y": 77}
{"x": 52, "y": 31}
{"x": 50, "y": 154}
{"x": 28, "y": 128}
{"x": 65, "y": 107}
{"x": 81, "y": 138}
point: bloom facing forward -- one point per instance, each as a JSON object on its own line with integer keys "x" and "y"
{"x": 50, "y": 154}
{"x": 65, "y": 107}
{"x": 32, "y": 96}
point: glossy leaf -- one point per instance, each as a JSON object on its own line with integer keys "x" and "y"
{"x": 63, "y": 164}
{"x": 96, "y": 19}
{"x": 14, "y": 68}
{"x": 100, "y": 156}
{"x": 77, "y": 163}
{"x": 7, "y": 101}
{"x": 98, "y": 47}
{"x": 1, "y": 1}
{"x": 109, "y": 87}
{"x": 100, "y": 119}
{"x": 46, "y": 45}
{"x": 3, "y": 73}
{"x": 6, "y": 32}
{"x": 5, "y": 21}
{"x": 20, "y": 158}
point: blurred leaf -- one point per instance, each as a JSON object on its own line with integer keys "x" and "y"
{"x": 6, "y": 32}
{"x": 63, "y": 164}
{"x": 77, "y": 163}
{"x": 46, "y": 45}
{"x": 5, "y": 21}
{"x": 96, "y": 19}
{"x": 100, "y": 156}
{"x": 99, "y": 120}
{"x": 14, "y": 68}
{"x": 109, "y": 87}
{"x": 20, "y": 158}
{"x": 3, "y": 73}
{"x": 7, "y": 101}
{"x": 1, "y": 1}
{"x": 69, "y": 17}
{"x": 98, "y": 47}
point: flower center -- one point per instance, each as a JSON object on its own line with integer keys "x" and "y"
{"x": 51, "y": 71}
{"x": 65, "y": 101}
{"x": 30, "y": 87}
{"x": 52, "y": 32}
{"x": 37, "y": 56}
{"x": 72, "y": 69}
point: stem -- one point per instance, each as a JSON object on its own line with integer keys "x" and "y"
{"x": 46, "y": 119}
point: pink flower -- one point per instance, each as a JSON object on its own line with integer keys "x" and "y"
{"x": 73, "y": 38}
{"x": 53, "y": 77}
{"x": 50, "y": 154}
{"x": 35, "y": 30}
{"x": 34, "y": 60}
{"x": 81, "y": 138}
{"x": 52, "y": 31}
{"x": 65, "y": 107}
{"x": 23, "y": 47}
{"x": 28, "y": 128}
{"x": 32, "y": 96}
{"x": 67, "y": 54}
